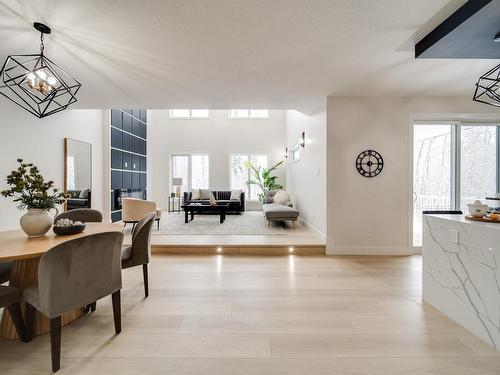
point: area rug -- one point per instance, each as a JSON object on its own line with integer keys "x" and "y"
{"x": 248, "y": 223}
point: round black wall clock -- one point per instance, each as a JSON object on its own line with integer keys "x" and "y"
{"x": 369, "y": 163}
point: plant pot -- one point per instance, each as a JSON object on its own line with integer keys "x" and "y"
{"x": 36, "y": 222}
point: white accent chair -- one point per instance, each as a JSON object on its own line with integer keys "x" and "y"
{"x": 134, "y": 210}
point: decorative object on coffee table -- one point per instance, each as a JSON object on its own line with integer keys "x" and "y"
{"x": 213, "y": 202}
{"x": 30, "y": 191}
{"x": 177, "y": 183}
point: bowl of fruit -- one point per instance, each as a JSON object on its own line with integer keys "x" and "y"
{"x": 66, "y": 227}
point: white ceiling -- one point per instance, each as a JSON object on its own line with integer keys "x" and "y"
{"x": 239, "y": 53}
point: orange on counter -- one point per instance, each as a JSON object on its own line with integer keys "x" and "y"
{"x": 495, "y": 216}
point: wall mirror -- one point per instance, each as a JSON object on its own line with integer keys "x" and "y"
{"x": 77, "y": 174}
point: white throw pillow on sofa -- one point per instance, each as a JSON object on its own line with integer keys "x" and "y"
{"x": 235, "y": 194}
{"x": 281, "y": 197}
{"x": 196, "y": 194}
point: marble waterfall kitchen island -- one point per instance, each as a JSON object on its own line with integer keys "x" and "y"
{"x": 461, "y": 272}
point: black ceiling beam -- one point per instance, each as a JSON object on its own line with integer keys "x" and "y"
{"x": 466, "y": 11}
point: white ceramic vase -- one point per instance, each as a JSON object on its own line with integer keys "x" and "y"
{"x": 36, "y": 222}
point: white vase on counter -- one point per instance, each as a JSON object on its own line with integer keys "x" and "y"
{"x": 36, "y": 222}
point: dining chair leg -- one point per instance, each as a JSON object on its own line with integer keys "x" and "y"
{"x": 30, "y": 321}
{"x": 55, "y": 342}
{"x": 17, "y": 319}
{"x": 117, "y": 313}
{"x": 145, "y": 274}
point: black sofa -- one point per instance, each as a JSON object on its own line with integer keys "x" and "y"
{"x": 235, "y": 205}
{"x": 78, "y": 199}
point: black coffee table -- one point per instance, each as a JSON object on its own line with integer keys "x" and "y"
{"x": 193, "y": 208}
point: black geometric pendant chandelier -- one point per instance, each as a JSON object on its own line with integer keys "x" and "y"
{"x": 37, "y": 84}
{"x": 488, "y": 88}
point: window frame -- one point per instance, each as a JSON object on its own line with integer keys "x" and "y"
{"x": 190, "y": 167}
{"x": 455, "y": 163}
{"x": 247, "y": 193}
{"x": 190, "y": 117}
{"x": 249, "y": 116}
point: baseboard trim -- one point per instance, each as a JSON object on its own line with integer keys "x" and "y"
{"x": 369, "y": 250}
{"x": 306, "y": 224}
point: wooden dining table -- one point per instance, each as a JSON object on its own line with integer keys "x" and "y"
{"x": 25, "y": 252}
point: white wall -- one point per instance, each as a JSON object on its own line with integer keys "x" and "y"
{"x": 306, "y": 178}
{"x": 372, "y": 215}
{"x": 42, "y": 142}
{"x": 218, "y": 136}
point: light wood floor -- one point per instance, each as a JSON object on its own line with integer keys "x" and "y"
{"x": 287, "y": 315}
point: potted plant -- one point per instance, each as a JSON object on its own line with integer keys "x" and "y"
{"x": 29, "y": 189}
{"x": 263, "y": 179}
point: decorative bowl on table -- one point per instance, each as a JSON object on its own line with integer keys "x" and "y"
{"x": 477, "y": 209}
{"x": 66, "y": 227}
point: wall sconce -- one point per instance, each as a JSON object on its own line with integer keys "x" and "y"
{"x": 302, "y": 141}
{"x": 285, "y": 154}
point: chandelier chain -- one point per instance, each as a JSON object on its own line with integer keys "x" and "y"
{"x": 42, "y": 46}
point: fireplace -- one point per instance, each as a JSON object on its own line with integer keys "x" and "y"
{"x": 118, "y": 194}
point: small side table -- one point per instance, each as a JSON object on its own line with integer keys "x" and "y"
{"x": 174, "y": 204}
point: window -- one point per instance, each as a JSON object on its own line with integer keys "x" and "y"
{"x": 240, "y": 175}
{"x": 193, "y": 169}
{"x": 199, "y": 171}
{"x": 180, "y": 169}
{"x": 249, "y": 113}
{"x": 190, "y": 113}
{"x": 477, "y": 164}
{"x": 432, "y": 145}
{"x": 295, "y": 153}
{"x": 453, "y": 165}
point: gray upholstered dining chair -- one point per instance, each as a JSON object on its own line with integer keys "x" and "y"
{"x": 10, "y": 298}
{"x": 71, "y": 275}
{"x": 139, "y": 253}
{"x": 5, "y": 268}
{"x": 85, "y": 215}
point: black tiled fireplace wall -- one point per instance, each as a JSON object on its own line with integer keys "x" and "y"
{"x": 128, "y": 157}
